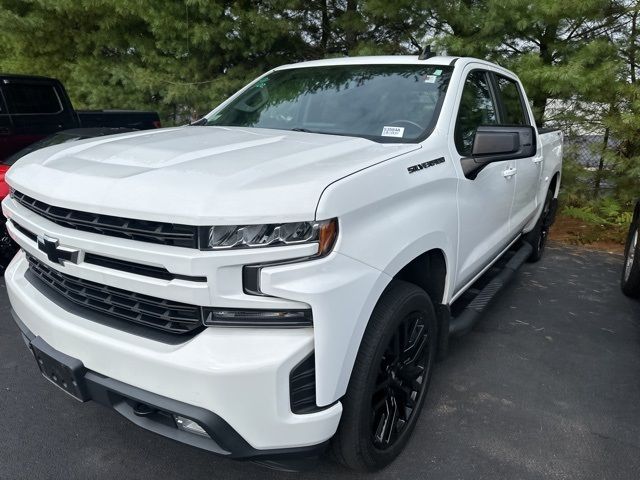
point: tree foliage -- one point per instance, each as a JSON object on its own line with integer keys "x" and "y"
{"x": 578, "y": 59}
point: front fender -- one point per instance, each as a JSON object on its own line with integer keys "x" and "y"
{"x": 387, "y": 217}
{"x": 342, "y": 293}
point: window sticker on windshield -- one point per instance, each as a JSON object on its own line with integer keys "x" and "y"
{"x": 437, "y": 73}
{"x": 393, "y": 132}
{"x": 430, "y": 79}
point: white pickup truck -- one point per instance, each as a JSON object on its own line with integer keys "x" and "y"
{"x": 286, "y": 271}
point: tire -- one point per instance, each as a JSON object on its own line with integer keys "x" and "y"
{"x": 540, "y": 233}
{"x": 8, "y": 248}
{"x": 365, "y": 441}
{"x": 630, "y": 281}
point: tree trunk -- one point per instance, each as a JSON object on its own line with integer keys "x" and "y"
{"x": 633, "y": 37}
{"x": 351, "y": 35}
{"x": 539, "y": 101}
{"x": 539, "y": 98}
{"x": 324, "y": 39}
{"x": 600, "y": 172}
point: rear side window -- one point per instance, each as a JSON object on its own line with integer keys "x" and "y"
{"x": 512, "y": 102}
{"x": 28, "y": 98}
{"x": 477, "y": 108}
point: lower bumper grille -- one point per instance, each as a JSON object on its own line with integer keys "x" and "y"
{"x": 302, "y": 387}
{"x": 166, "y": 315}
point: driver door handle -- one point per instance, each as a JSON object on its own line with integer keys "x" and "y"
{"x": 537, "y": 160}
{"x": 509, "y": 172}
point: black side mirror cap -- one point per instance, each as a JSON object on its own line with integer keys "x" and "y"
{"x": 498, "y": 143}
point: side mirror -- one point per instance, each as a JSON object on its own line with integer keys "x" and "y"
{"x": 496, "y": 144}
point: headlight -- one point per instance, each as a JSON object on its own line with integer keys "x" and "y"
{"x": 270, "y": 235}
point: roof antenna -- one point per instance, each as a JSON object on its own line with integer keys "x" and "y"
{"x": 426, "y": 53}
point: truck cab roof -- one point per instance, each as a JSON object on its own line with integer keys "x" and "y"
{"x": 373, "y": 60}
{"x": 395, "y": 60}
{"x": 17, "y": 76}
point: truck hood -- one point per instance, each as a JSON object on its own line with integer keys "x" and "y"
{"x": 198, "y": 175}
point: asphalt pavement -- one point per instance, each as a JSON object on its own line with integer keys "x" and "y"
{"x": 547, "y": 386}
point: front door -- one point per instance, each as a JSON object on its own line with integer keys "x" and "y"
{"x": 484, "y": 203}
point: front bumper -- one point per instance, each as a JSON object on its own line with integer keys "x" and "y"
{"x": 155, "y": 413}
{"x": 340, "y": 290}
{"x": 238, "y": 376}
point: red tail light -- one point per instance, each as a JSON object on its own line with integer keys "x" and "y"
{"x": 157, "y": 124}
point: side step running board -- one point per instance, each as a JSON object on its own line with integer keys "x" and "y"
{"x": 467, "y": 318}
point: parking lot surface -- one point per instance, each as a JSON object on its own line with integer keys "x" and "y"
{"x": 547, "y": 386}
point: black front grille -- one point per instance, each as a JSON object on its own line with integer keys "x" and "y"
{"x": 302, "y": 387}
{"x": 142, "y": 230}
{"x": 166, "y": 315}
{"x": 122, "y": 265}
{"x": 138, "y": 268}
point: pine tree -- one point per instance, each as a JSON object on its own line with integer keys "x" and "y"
{"x": 179, "y": 57}
{"x": 559, "y": 49}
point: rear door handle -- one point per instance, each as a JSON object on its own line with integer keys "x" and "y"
{"x": 509, "y": 172}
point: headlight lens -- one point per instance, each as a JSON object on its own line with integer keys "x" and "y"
{"x": 270, "y": 235}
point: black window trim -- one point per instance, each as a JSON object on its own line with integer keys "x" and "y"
{"x": 4, "y": 108}
{"x": 501, "y": 108}
{"x": 10, "y": 111}
{"x": 494, "y": 99}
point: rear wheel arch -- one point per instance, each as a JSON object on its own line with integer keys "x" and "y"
{"x": 553, "y": 185}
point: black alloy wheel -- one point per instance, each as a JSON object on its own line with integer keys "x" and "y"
{"x": 390, "y": 379}
{"x": 539, "y": 235}
{"x": 401, "y": 381}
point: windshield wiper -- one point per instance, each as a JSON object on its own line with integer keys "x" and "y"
{"x": 305, "y": 130}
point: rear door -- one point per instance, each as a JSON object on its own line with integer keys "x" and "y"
{"x": 38, "y": 107}
{"x": 513, "y": 112}
{"x": 484, "y": 202}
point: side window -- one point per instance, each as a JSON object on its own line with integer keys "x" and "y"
{"x": 512, "y": 103}
{"x": 31, "y": 98}
{"x": 476, "y": 108}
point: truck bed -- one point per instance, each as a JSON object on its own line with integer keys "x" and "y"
{"x": 551, "y": 141}
{"x": 119, "y": 118}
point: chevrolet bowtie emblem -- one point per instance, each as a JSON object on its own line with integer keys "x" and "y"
{"x": 55, "y": 253}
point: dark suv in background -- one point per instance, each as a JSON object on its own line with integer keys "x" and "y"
{"x": 32, "y": 108}
{"x": 36, "y": 112}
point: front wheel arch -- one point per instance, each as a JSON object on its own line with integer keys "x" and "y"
{"x": 354, "y": 444}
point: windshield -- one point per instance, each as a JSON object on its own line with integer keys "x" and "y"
{"x": 397, "y": 103}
